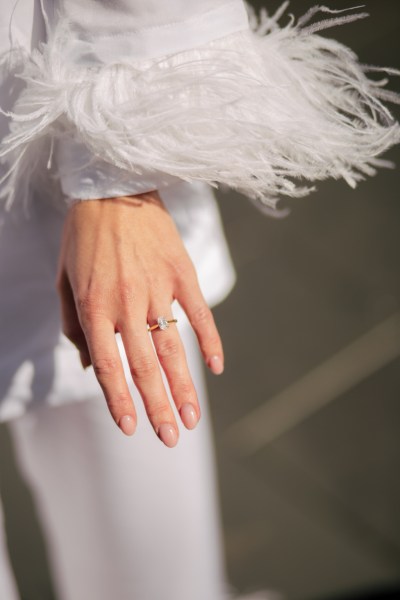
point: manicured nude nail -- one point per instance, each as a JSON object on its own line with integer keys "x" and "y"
{"x": 127, "y": 425}
{"x": 188, "y": 416}
{"x": 216, "y": 365}
{"x": 168, "y": 435}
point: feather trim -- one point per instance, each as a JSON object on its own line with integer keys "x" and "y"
{"x": 257, "y": 110}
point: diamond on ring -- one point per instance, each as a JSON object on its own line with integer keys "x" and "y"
{"x": 162, "y": 323}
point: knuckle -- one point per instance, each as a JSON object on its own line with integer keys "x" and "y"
{"x": 104, "y": 366}
{"x": 90, "y": 303}
{"x": 156, "y": 408}
{"x": 88, "y": 321}
{"x": 88, "y": 317}
{"x": 213, "y": 341}
{"x": 167, "y": 348}
{"x": 183, "y": 267}
{"x": 126, "y": 293}
{"x": 185, "y": 388}
{"x": 119, "y": 402}
{"x": 143, "y": 367}
{"x": 201, "y": 315}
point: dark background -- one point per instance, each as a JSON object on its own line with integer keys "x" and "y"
{"x": 307, "y": 417}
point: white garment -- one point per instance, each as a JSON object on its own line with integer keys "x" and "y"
{"x": 125, "y": 97}
{"x": 124, "y": 518}
{"x": 153, "y": 93}
{"x": 38, "y": 364}
{"x": 137, "y": 95}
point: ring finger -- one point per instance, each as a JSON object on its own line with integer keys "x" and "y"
{"x": 172, "y": 357}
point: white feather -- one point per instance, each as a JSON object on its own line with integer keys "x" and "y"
{"x": 265, "y": 111}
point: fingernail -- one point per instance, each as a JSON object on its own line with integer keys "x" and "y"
{"x": 188, "y": 416}
{"x": 127, "y": 425}
{"x": 216, "y": 365}
{"x": 168, "y": 435}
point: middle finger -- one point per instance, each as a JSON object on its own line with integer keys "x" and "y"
{"x": 147, "y": 377}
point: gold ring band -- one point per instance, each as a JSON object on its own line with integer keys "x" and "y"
{"x": 162, "y": 323}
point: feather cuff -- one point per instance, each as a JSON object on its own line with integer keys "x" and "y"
{"x": 257, "y": 110}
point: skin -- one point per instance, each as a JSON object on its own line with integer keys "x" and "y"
{"x": 121, "y": 265}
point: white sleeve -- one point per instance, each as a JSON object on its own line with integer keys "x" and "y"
{"x": 139, "y": 93}
{"x": 138, "y": 32}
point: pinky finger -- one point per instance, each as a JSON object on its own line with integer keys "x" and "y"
{"x": 201, "y": 318}
{"x": 71, "y": 326}
{"x": 85, "y": 358}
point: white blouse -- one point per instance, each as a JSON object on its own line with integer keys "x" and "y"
{"x": 109, "y": 97}
{"x": 37, "y": 362}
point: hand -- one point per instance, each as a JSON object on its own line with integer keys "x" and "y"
{"x": 122, "y": 263}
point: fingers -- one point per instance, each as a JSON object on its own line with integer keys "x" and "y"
{"x": 97, "y": 345}
{"x": 107, "y": 366}
{"x": 200, "y": 316}
{"x": 94, "y": 335}
{"x": 147, "y": 377}
{"x": 171, "y": 354}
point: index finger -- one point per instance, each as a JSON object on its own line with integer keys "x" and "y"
{"x": 108, "y": 368}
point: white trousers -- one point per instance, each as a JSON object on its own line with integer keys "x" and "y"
{"x": 124, "y": 518}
